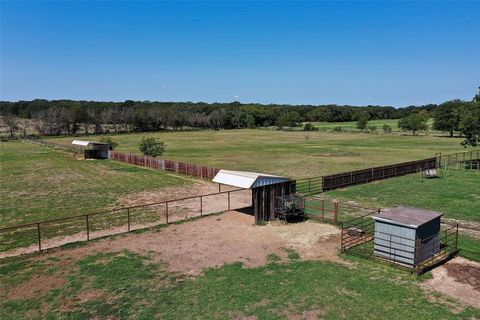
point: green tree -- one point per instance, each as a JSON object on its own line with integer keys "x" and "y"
{"x": 414, "y": 122}
{"x": 447, "y": 116}
{"x": 477, "y": 96}
{"x": 112, "y": 143}
{"x": 151, "y": 146}
{"x": 362, "y": 121}
{"x": 288, "y": 119}
{"x": 386, "y": 128}
{"x": 470, "y": 124}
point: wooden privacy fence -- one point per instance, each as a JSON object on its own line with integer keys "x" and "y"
{"x": 341, "y": 180}
{"x": 42, "y": 235}
{"x": 195, "y": 170}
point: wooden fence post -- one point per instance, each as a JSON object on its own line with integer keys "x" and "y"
{"x": 228, "y": 200}
{"x": 166, "y": 211}
{"x": 88, "y": 227}
{"x": 39, "y": 237}
{"x": 335, "y": 213}
{"x": 201, "y": 206}
{"x": 128, "y": 219}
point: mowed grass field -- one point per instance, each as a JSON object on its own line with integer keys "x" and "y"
{"x": 352, "y": 126}
{"x": 290, "y": 153}
{"x": 126, "y": 285}
{"x": 39, "y": 183}
{"x": 456, "y": 194}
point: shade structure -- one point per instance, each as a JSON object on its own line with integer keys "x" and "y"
{"x": 247, "y": 180}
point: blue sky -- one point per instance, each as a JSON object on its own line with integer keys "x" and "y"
{"x": 387, "y": 53}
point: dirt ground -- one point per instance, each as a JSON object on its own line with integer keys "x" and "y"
{"x": 177, "y": 210}
{"x": 458, "y": 279}
{"x": 213, "y": 241}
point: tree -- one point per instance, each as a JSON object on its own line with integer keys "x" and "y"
{"x": 447, "y": 116}
{"x": 362, "y": 122}
{"x": 470, "y": 124}
{"x": 112, "y": 143}
{"x": 477, "y": 96}
{"x": 11, "y": 122}
{"x": 151, "y": 146}
{"x": 414, "y": 122}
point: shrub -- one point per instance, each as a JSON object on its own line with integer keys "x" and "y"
{"x": 372, "y": 128}
{"x": 107, "y": 139}
{"x": 338, "y": 129}
{"x": 151, "y": 146}
{"x": 308, "y": 127}
{"x": 386, "y": 128}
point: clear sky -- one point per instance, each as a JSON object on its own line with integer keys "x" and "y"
{"x": 388, "y": 53}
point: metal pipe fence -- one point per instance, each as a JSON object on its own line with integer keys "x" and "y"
{"x": 41, "y": 235}
{"x": 359, "y": 236}
{"x": 468, "y": 160}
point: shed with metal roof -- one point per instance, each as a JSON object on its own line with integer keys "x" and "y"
{"x": 407, "y": 235}
{"x": 92, "y": 149}
{"x": 265, "y": 189}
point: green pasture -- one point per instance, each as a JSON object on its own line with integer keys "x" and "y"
{"x": 125, "y": 285}
{"x": 456, "y": 194}
{"x": 291, "y": 153}
{"x": 39, "y": 183}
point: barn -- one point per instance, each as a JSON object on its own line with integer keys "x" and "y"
{"x": 93, "y": 150}
{"x": 406, "y": 235}
{"x": 265, "y": 189}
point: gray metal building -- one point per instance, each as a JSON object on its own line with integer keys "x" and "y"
{"x": 407, "y": 236}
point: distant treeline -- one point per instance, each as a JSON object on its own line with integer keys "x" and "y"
{"x": 54, "y": 117}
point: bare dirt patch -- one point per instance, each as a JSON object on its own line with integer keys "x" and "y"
{"x": 458, "y": 279}
{"x": 217, "y": 240}
{"x": 37, "y": 286}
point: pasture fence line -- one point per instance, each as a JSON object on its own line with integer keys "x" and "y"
{"x": 195, "y": 170}
{"x": 40, "y": 235}
{"x": 65, "y": 147}
{"x": 469, "y": 160}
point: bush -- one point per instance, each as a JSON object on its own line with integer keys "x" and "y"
{"x": 106, "y": 139}
{"x": 151, "y": 146}
{"x": 338, "y": 129}
{"x": 387, "y": 129}
{"x": 308, "y": 127}
{"x": 372, "y": 128}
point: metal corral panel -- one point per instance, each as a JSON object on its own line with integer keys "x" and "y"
{"x": 247, "y": 180}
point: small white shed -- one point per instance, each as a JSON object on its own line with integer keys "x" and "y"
{"x": 92, "y": 149}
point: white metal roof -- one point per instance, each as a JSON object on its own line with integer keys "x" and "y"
{"x": 81, "y": 143}
{"x": 246, "y": 180}
{"x": 85, "y": 143}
